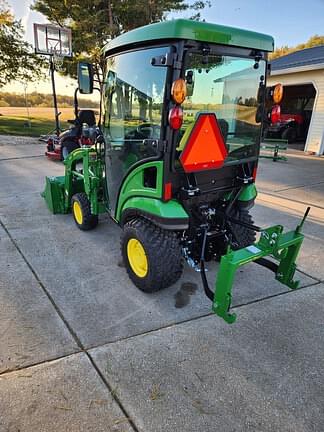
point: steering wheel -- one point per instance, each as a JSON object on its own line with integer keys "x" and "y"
{"x": 149, "y": 130}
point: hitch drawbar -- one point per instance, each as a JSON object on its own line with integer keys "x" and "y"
{"x": 283, "y": 247}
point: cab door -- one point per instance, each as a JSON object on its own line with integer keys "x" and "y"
{"x": 133, "y": 107}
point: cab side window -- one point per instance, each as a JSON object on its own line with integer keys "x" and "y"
{"x": 133, "y": 108}
{"x": 134, "y": 93}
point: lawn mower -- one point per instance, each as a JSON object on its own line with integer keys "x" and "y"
{"x": 82, "y": 133}
{"x": 176, "y": 160}
{"x": 288, "y": 120}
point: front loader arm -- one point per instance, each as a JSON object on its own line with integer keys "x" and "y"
{"x": 91, "y": 176}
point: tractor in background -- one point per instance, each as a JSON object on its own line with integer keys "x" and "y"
{"x": 288, "y": 120}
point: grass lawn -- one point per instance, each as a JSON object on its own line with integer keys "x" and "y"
{"x": 14, "y": 121}
{"x": 20, "y": 126}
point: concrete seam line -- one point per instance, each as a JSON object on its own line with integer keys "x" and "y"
{"x": 113, "y": 394}
{"x": 85, "y": 350}
{"x": 48, "y": 295}
{"x": 299, "y": 187}
{"x": 72, "y": 332}
{"x": 19, "y": 158}
{"x": 32, "y": 365}
{"x": 174, "y": 324}
{"x": 308, "y": 275}
{"x": 280, "y": 197}
{"x": 275, "y": 295}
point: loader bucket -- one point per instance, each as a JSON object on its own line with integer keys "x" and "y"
{"x": 54, "y": 194}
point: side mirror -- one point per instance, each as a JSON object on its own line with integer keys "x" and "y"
{"x": 85, "y": 77}
{"x": 259, "y": 114}
{"x": 262, "y": 93}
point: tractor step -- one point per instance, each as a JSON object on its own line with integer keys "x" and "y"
{"x": 281, "y": 247}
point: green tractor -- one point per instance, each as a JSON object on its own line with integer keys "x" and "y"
{"x": 176, "y": 161}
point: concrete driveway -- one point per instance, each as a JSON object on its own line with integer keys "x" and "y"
{"x": 81, "y": 349}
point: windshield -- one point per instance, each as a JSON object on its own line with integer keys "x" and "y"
{"x": 227, "y": 86}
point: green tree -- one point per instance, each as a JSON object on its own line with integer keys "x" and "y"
{"x": 95, "y": 22}
{"x": 17, "y": 62}
{"x": 313, "y": 41}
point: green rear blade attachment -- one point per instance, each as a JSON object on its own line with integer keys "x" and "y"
{"x": 282, "y": 247}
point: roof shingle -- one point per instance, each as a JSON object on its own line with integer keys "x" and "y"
{"x": 305, "y": 57}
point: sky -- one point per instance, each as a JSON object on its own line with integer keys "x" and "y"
{"x": 289, "y": 21}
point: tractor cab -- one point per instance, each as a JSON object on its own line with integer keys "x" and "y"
{"x": 176, "y": 160}
{"x": 159, "y": 82}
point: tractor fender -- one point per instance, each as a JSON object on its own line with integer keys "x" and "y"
{"x": 167, "y": 215}
{"x": 247, "y": 197}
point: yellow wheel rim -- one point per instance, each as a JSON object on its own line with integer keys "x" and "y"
{"x": 137, "y": 258}
{"x": 77, "y": 211}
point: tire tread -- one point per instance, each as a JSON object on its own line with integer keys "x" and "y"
{"x": 90, "y": 220}
{"x": 163, "y": 251}
{"x": 246, "y": 237}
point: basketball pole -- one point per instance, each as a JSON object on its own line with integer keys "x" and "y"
{"x": 55, "y": 42}
{"x": 57, "y": 114}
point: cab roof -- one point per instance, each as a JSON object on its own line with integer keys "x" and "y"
{"x": 193, "y": 30}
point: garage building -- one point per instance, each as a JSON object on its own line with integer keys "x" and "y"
{"x": 302, "y": 74}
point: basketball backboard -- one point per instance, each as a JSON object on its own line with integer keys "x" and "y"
{"x": 53, "y": 40}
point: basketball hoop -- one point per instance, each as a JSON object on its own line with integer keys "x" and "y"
{"x": 56, "y": 42}
{"x": 50, "y": 39}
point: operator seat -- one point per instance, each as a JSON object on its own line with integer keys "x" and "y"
{"x": 88, "y": 117}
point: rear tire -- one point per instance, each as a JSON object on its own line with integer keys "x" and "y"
{"x": 81, "y": 210}
{"x": 245, "y": 236}
{"x": 290, "y": 135}
{"x": 152, "y": 256}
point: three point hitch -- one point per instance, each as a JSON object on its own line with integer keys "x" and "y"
{"x": 282, "y": 247}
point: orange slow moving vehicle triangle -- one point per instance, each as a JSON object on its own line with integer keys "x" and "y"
{"x": 205, "y": 148}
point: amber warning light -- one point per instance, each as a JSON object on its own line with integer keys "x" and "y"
{"x": 179, "y": 91}
{"x": 205, "y": 148}
{"x": 277, "y": 93}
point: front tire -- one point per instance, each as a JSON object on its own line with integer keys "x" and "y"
{"x": 81, "y": 210}
{"x": 152, "y": 256}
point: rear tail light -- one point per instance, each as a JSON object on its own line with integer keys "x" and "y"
{"x": 254, "y": 172}
{"x": 176, "y": 117}
{"x": 167, "y": 191}
{"x": 275, "y": 114}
